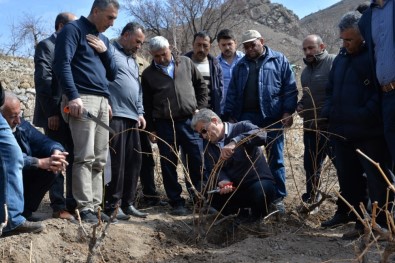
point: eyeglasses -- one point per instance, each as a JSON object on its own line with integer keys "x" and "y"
{"x": 204, "y": 131}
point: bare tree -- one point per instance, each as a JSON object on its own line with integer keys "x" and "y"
{"x": 26, "y": 33}
{"x": 178, "y": 20}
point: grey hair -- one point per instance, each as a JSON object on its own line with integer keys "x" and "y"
{"x": 103, "y": 4}
{"x": 349, "y": 20}
{"x": 9, "y": 97}
{"x": 157, "y": 43}
{"x": 205, "y": 116}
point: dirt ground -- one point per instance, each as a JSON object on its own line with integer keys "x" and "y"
{"x": 295, "y": 237}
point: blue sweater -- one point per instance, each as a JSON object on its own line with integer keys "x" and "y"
{"x": 78, "y": 67}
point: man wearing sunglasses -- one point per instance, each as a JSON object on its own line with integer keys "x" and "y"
{"x": 244, "y": 180}
{"x": 263, "y": 90}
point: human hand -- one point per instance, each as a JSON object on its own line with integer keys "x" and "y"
{"x": 76, "y": 107}
{"x": 287, "y": 120}
{"x": 228, "y": 150}
{"x": 53, "y": 122}
{"x": 141, "y": 122}
{"x": 96, "y": 43}
{"x": 225, "y": 187}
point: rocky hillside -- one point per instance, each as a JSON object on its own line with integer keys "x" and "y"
{"x": 280, "y": 27}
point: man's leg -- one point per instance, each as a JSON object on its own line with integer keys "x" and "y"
{"x": 168, "y": 162}
{"x": 11, "y": 183}
{"x": 147, "y": 175}
{"x": 36, "y": 183}
{"x": 388, "y": 108}
{"x": 83, "y": 132}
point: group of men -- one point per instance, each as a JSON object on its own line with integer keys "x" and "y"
{"x": 236, "y": 102}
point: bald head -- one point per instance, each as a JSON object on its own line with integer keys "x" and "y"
{"x": 11, "y": 110}
{"x": 62, "y": 19}
{"x": 312, "y": 46}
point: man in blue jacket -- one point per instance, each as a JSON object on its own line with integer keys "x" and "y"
{"x": 84, "y": 65}
{"x": 263, "y": 90}
{"x": 352, "y": 107}
{"x": 244, "y": 180}
{"x": 43, "y": 158}
{"x": 377, "y": 26}
{"x": 11, "y": 183}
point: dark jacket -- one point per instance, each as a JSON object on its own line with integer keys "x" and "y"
{"x": 365, "y": 27}
{"x": 78, "y": 67}
{"x": 314, "y": 79}
{"x": 34, "y": 144}
{"x": 277, "y": 87}
{"x": 48, "y": 92}
{"x": 352, "y": 105}
{"x": 239, "y": 167}
{"x": 168, "y": 98}
{"x": 216, "y": 87}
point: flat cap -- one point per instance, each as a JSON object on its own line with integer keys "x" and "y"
{"x": 250, "y": 35}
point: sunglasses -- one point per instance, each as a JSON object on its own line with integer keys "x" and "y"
{"x": 203, "y": 131}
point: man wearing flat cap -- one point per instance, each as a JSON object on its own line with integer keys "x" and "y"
{"x": 263, "y": 90}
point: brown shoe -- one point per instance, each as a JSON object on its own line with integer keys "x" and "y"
{"x": 63, "y": 214}
{"x": 28, "y": 227}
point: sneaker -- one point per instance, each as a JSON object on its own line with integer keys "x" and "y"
{"x": 179, "y": 211}
{"x": 278, "y": 205}
{"x": 106, "y": 218}
{"x": 88, "y": 216}
{"x": 28, "y": 227}
{"x": 63, "y": 214}
{"x": 337, "y": 220}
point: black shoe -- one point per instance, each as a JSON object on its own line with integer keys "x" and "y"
{"x": 353, "y": 234}
{"x": 26, "y": 227}
{"x": 179, "y": 211}
{"x": 34, "y": 218}
{"x": 88, "y": 216}
{"x": 131, "y": 210}
{"x": 106, "y": 218}
{"x": 155, "y": 202}
{"x": 121, "y": 215}
{"x": 337, "y": 220}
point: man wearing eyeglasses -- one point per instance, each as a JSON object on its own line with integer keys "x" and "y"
{"x": 244, "y": 180}
{"x": 263, "y": 90}
{"x": 43, "y": 158}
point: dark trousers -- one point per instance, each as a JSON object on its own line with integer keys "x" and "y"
{"x": 388, "y": 108}
{"x": 257, "y": 195}
{"x": 56, "y": 192}
{"x": 182, "y": 135}
{"x": 147, "y": 175}
{"x": 316, "y": 148}
{"x": 354, "y": 186}
{"x": 125, "y": 154}
{"x": 35, "y": 184}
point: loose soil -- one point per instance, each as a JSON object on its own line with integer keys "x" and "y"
{"x": 295, "y": 237}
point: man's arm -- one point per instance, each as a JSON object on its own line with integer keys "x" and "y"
{"x": 43, "y": 77}
{"x": 199, "y": 84}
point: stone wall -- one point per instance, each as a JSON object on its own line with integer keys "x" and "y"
{"x": 16, "y": 75}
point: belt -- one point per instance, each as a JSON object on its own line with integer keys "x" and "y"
{"x": 388, "y": 87}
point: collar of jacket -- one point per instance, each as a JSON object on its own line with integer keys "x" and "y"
{"x": 209, "y": 57}
{"x": 318, "y": 58}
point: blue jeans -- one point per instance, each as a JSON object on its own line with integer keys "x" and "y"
{"x": 316, "y": 147}
{"x": 274, "y": 148}
{"x": 192, "y": 145}
{"x": 11, "y": 184}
